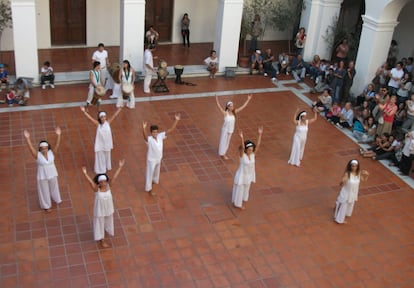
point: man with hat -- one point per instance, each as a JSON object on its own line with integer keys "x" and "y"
{"x": 256, "y": 62}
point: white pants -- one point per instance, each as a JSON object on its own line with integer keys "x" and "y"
{"x": 102, "y": 224}
{"x": 102, "y": 161}
{"x": 224, "y": 143}
{"x": 147, "y": 80}
{"x": 91, "y": 92}
{"x": 240, "y": 194}
{"x": 342, "y": 210}
{"x": 109, "y": 82}
{"x": 130, "y": 103}
{"x": 152, "y": 174}
{"x": 47, "y": 189}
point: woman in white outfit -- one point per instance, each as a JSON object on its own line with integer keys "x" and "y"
{"x": 103, "y": 210}
{"x": 95, "y": 79}
{"x": 349, "y": 192}
{"x": 229, "y": 114}
{"x": 299, "y": 138}
{"x": 47, "y": 182}
{"x": 126, "y": 75}
{"x": 246, "y": 173}
{"x": 103, "y": 140}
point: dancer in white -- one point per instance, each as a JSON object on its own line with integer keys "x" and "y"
{"x": 103, "y": 140}
{"x": 103, "y": 211}
{"x": 229, "y": 114}
{"x": 299, "y": 138}
{"x": 246, "y": 173}
{"x": 154, "y": 153}
{"x": 126, "y": 78}
{"x": 47, "y": 182}
{"x": 349, "y": 192}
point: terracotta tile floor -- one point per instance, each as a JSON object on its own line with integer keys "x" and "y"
{"x": 189, "y": 235}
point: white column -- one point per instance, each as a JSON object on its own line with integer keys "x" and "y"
{"x": 316, "y": 18}
{"x": 226, "y": 42}
{"x": 132, "y": 32}
{"x": 25, "y": 38}
{"x": 372, "y": 51}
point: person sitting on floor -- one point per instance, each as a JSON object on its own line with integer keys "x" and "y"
{"x": 4, "y": 76}
{"x": 46, "y": 74}
{"x": 268, "y": 68}
{"x": 21, "y": 86}
{"x": 324, "y": 102}
{"x": 212, "y": 63}
{"x": 283, "y": 64}
{"x": 256, "y": 62}
{"x": 298, "y": 67}
{"x": 152, "y": 36}
{"x": 366, "y": 133}
{"x": 346, "y": 117}
{"x": 333, "y": 114}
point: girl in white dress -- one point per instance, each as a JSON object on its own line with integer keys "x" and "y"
{"x": 229, "y": 114}
{"x": 47, "y": 183}
{"x": 103, "y": 140}
{"x": 246, "y": 173}
{"x": 126, "y": 75}
{"x": 349, "y": 192}
{"x": 299, "y": 138}
{"x": 103, "y": 210}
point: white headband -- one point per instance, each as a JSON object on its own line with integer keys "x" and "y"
{"x": 101, "y": 114}
{"x": 102, "y": 178}
{"x": 229, "y": 104}
{"x": 302, "y": 114}
{"x": 249, "y": 144}
{"x": 43, "y": 144}
{"x": 354, "y": 162}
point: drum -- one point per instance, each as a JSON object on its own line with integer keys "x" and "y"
{"x": 162, "y": 64}
{"x": 178, "y": 69}
{"x": 127, "y": 89}
{"x": 99, "y": 92}
{"x": 114, "y": 71}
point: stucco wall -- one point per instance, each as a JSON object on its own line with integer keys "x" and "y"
{"x": 404, "y": 33}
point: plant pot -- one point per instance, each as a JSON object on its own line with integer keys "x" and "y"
{"x": 244, "y": 61}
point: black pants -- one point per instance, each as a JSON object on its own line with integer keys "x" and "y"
{"x": 50, "y": 78}
{"x": 186, "y": 35}
{"x": 405, "y": 164}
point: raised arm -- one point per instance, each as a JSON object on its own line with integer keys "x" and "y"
{"x": 121, "y": 164}
{"x": 315, "y": 116}
{"x": 259, "y": 139}
{"x": 241, "y": 150}
{"x": 144, "y": 131}
{"x": 364, "y": 175}
{"x": 249, "y": 97}
{"x": 57, "y": 145}
{"x": 92, "y": 184}
{"x": 294, "y": 117}
{"x": 219, "y": 106}
{"x": 114, "y": 115}
{"x": 177, "y": 118}
{"x": 29, "y": 144}
{"x": 94, "y": 121}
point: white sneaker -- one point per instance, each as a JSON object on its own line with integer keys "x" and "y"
{"x": 274, "y": 79}
{"x": 113, "y": 96}
{"x": 287, "y": 73}
{"x": 52, "y": 86}
{"x": 265, "y": 74}
{"x": 43, "y": 87}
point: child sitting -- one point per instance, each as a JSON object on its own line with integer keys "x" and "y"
{"x": 4, "y": 76}
{"x": 11, "y": 97}
{"x": 46, "y": 74}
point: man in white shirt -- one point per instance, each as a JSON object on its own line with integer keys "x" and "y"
{"x": 101, "y": 55}
{"x": 396, "y": 75}
{"x": 154, "y": 153}
{"x": 148, "y": 67}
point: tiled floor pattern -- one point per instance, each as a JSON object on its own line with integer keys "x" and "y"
{"x": 189, "y": 235}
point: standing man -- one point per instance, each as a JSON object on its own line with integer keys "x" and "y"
{"x": 148, "y": 67}
{"x": 101, "y": 55}
{"x": 348, "y": 81}
{"x": 395, "y": 75}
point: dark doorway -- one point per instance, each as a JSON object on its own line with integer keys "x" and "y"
{"x": 159, "y": 14}
{"x": 68, "y": 22}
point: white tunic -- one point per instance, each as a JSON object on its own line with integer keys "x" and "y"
{"x": 155, "y": 147}
{"x": 298, "y": 146}
{"x": 349, "y": 192}
{"x": 104, "y": 205}
{"x": 246, "y": 173}
{"x": 46, "y": 168}
{"x": 229, "y": 123}
{"x": 103, "y": 139}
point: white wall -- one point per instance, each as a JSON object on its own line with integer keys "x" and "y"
{"x": 103, "y": 22}
{"x": 43, "y": 24}
{"x": 404, "y": 31}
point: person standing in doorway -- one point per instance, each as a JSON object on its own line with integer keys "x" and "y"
{"x": 185, "y": 29}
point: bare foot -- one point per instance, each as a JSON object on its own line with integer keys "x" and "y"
{"x": 103, "y": 243}
{"x": 225, "y": 157}
{"x": 241, "y": 208}
{"x": 48, "y": 210}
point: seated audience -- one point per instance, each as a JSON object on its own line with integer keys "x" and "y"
{"x": 334, "y": 113}
{"x": 152, "y": 36}
{"x": 408, "y": 124}
{"x": 366, "y": 133}
{"x": 298, "y": 68}
{"x": 283, "y": 64}
{"x": 256, "y": 62}
{"x": 268, "y": 68}
{"x": 407, "y": 153}
{"x": 381, "y": 146}
{"x": 4, "y": 76}
{"x": 212, "y": 63}
{"x": 367, "y": 95}
{"x": 324, "y": 102}
{"x": 21, "y": 86}
{"x": 46, "y": 74}
{"x": 405, "y": 88}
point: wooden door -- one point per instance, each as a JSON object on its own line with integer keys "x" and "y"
{"x": 159, "y": 14}
{"x": 68, "y": 22}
